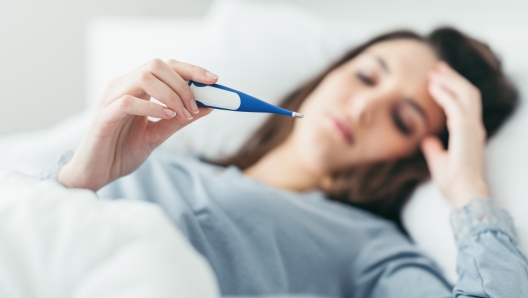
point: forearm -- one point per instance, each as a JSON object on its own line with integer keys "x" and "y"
{"x": 490, "y": 262}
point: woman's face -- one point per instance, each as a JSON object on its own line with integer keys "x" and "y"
{"x": 373, "y": 108}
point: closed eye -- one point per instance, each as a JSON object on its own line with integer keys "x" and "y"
{"x": 365, "y": 79}
{"x": 400, "y": 123}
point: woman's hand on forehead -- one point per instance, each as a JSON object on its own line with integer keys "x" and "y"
{"x": 459, "y": 170}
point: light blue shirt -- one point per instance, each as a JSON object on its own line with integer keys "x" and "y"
{"x": 261, "y": 240}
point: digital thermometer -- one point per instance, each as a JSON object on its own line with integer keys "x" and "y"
{"x": 224, "y": 98}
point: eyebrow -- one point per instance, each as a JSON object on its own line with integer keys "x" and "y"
{"x": 382, "y": 64}
{"x": 418, "y": 108}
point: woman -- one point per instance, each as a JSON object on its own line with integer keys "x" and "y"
{"x": 265, "y": 223}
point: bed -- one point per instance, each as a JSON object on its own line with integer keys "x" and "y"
{"x": 237, "y": 38}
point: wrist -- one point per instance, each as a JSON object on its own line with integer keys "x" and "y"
{"x": 52, "y": 170}
{"x": 72, "y": 176}
{"x": 465, "y": 192}
{"x": 65, "y": 177}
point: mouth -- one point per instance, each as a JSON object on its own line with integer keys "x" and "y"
{"x": 344, "y": 127}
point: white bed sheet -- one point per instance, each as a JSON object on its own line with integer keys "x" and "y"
{"x": 57, "y": 242}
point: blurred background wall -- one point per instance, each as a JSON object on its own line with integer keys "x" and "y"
{"x": 42, "y": 51}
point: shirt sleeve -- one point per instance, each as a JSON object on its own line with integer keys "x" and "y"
{"x": 489, "y": 264}
{"x": 51, "y": 172}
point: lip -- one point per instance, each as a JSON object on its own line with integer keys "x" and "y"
{"x": 344, "y": 127}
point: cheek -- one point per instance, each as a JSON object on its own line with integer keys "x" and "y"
{"x": 386, "y": 144}
{"x": 331, "y": 92}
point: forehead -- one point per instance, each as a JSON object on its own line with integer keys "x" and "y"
{"x": 408, "y": 63}
{"x": 409, "y": 60}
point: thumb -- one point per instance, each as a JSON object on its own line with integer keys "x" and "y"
{"x": 434, "y": 153}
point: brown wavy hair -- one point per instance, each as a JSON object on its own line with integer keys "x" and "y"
{"x": 383, "y": 188}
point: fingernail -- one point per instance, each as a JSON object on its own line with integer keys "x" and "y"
{"x": 194, "y": 107}
{"x": 169, "y": 112}
{"x": 187, "y": 114}
{"x": 210, "y": 75}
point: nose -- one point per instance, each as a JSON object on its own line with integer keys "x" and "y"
{"x": 362, "y": 109}
{"x": 365, "y": 107}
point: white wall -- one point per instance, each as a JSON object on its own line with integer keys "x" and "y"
{"x": 42, "y": 58}
{"x": 42, "y": 51}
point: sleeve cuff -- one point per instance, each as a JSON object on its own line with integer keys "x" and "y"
{"x": 52, "y": 170}
{"x": 478, "y": 216}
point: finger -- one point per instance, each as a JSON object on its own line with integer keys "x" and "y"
{"x": 463, "y": 89}
{"x": 192, "y": 72}
{"x": 160, "y": 131}
{"x": 469, "y": 101}
{"x": 171, "y": 78}
{"x": 160, "y": 91}
{"x": 445, "y": 99}
{"x": 130, "y": 105}
{"x": 434, "y": 152}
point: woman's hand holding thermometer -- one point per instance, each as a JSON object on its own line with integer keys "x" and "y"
{"x": 120, "y": 136}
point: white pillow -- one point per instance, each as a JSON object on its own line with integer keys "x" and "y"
{"x": 263, "y": 49}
